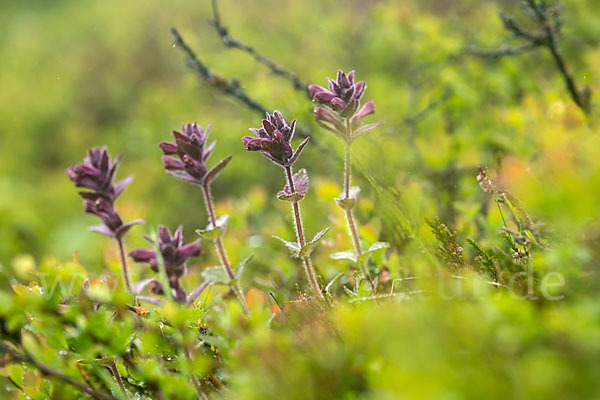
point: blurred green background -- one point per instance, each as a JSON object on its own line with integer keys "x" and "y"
{"x": 81, "y": 74}
{"x": 78, "y": 74}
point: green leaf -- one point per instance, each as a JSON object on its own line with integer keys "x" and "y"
{"x": 294, "y": 197}
{"x": 350, "y": 293}
{"x": 331, "y": 282}
{"x": 344, "y": 255}
{"x": 214, "y": 232}
{"x": 347, "y": 203}
{"x": 239, "y": 270}
{"x": 364, "y": 129}
{"x": 16, "y": 373}
{"x": 214, "y": 171}
{"x": 310, "y": 246}
{"x": 376, "y": 248}
{"x": 103, "y": 362}
{"x": 292, "y": 246}
{"x": 297, "y": 152}
{"x": 216, "y": 274}
{"x": 300, "y": 180}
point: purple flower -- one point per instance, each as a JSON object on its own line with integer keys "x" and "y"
{"x": 274, "y": 140}
{"x": 174, "y": 254}
{"x": 343, "y": 95}
{"x": 98, "y": 173}
{"x": 343, "y": 112}
{"x": 190, "y": 151}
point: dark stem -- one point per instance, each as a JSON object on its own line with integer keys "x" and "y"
{"x": 85, "y": 377}
{"x": 15, "y": 384}
{"x": 115, "y": 372}
{"x": 552, "y": 44}
{"x": 49, "y": 372}
{"x": 231, "y": 87}
{"x": 217, "y": 381}
{"x": 308, "y": 268}
{"x": 230, "y": 41}
{"x": 124, "y": 269}
{"x": 501, "y": 52}
{"x": 221, "y": 249}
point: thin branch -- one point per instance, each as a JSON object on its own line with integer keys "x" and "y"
{"x": 85, "y": 376}
{"x": 117, "y": 376}
{"x": 231, "y": 42}
{"x": 231, "y": 88}
{"x": 518, "y": 31}
{"x": 580, "y": 97}
{"x": 548, "y": 35}
{"x": 495, "y": 54}
{"x": 52, "y": 373}
{"x": 430, "y": 107}
{"x": 15, "y": 384}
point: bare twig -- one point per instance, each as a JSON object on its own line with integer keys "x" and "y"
{"x": 231, "y": 88}
{"x": 431, "y": 106}
{"x": 495, "y": 54}
{"x": 547, "y": 35}
{"x": 117, "y": 376}
{"x": 85, "y": 376}
{"x": 231, "y": 42}
{"x": 52, "y": 373}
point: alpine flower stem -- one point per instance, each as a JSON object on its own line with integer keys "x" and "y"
{"x": 117, "y": 376}
{"x": 350, "y": 215}
{"x": 308, "y": 268}
{"x": 124, "y": 269}
{"x": 221, "y": 249}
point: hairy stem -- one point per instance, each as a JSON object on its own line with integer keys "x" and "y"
{"x": 221, "y": 249}
{"x": 350, "y": 215}
{"x": 115, "y": 372}
{"x": 308, "y": 268}
{"x": 124, "y": 269}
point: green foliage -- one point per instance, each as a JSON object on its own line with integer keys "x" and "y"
{"x": 505, "y": 304}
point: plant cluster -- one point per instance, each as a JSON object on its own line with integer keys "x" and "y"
{"x": 188, "y": 338}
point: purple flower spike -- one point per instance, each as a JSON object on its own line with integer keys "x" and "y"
{"x": 274, "y": 140}
{"x": 343, "y": 95}
{"x": 98, "y": 173}
{"x": 342, "y": 113}
{"x": 191, "y": 153}
{"x": 174, "y": 254}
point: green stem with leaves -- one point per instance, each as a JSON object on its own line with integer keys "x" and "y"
{"x": 308, "y": 268}
{"x": 348, "y": 211}
{"x": 117, "y": 376}
{"x": 221, "y": 249}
